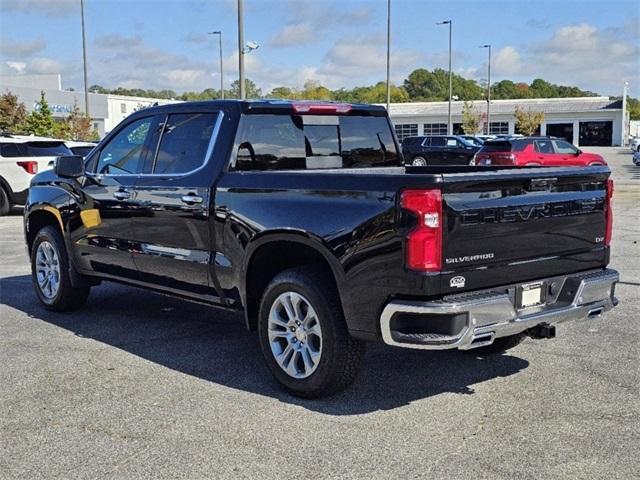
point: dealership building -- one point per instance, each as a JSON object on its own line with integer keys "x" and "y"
{"x": 584, "y": 121}
{"x": 105, "y": 110}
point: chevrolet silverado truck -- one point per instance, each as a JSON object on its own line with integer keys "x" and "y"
{"x": 302, "y": 218}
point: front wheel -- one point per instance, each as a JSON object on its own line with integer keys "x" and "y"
{"x": 50, "y": 273}
{"x": 303, "y": 334}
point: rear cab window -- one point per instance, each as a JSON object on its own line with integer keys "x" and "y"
{"x": 307, "y": 142}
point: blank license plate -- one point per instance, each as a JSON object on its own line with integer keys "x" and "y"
{"x": 531, "y": 295}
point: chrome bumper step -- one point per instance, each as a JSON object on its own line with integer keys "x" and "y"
{"x": 491, "y": 315}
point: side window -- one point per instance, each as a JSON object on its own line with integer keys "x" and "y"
{"x": 185, "y": 141}
{"x": 124, "y": 154}
{"x": 270, "y": 142}
{"x": 452, "y": 142}
{"x": 438, "y": 141}
{"x": 565, "y": 147}
{"x": 543, "y": 146}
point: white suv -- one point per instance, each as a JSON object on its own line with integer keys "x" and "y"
{"x": 21, "y": 157}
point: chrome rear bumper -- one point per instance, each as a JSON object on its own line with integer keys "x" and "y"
{"x": 490, "y": 315}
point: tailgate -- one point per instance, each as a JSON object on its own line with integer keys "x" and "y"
{"x": 509, "y": 226}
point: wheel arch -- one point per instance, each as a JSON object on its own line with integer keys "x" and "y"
{"x": 274, "y": 252}
{"x": 40, "y": 217}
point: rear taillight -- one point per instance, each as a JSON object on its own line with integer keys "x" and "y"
{"x": 608, "y": 213}
{"x": 424, "y": 242}
{"x": 29, "y": 167}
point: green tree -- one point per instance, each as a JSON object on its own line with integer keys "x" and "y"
{"x": 282, "y": 93}
{"x": 40, "y": 122}
{"x": 80, "y": 127}
{"x": 252, "y": 90}
{"x": 470, "y": 118}
{"x": 425, "y": 85}
{"x": 13, "y": 113}
{"x": 527, "y": 122}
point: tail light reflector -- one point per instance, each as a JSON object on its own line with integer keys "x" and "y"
{"x": 424, "y": 242}
{"x": 29, "y": 167}
{"x": 608, "y": 213}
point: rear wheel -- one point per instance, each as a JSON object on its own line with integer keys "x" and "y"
{"x": 499, "y": 345}
{"x": 50, "y": 273}
{"x": 5, "y": 204}
{"x": 303, "y": 334}
{"x": 419, "y": 162}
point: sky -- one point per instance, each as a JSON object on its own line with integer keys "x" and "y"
{"x": 159, "y": 44}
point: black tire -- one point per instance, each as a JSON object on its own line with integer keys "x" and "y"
{"x": 5, "y": 203}
{"x": 341, "y": 354}
{"x": 499, "y": 345}
{"x": 67, "y": 297}
{"x": 419, "y": 161}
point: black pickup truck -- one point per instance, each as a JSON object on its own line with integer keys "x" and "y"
{"x": 302, "y": 218}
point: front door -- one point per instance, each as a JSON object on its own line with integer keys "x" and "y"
{"x": 172, "y": 242}
{"x": 103, "y": 237}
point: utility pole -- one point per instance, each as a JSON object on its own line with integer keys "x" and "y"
{"x": 449, "y": 123}
{"x": 84, "y": 61}
{"x": 388, "y": 53}
{"x": 488, "y": 89}
{"x": 243, "y": 93}
{"x": 219, "y": 33}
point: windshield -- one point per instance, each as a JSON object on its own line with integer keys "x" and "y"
{"x": 46, "y": 149}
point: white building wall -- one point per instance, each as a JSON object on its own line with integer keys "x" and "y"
{"x": 613, "y": 116}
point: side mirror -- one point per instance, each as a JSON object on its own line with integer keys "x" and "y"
{"x": 70, "y": 166}
{"x": 578, "y": 152}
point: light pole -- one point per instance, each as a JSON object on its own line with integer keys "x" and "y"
{"x": 488, "y": 89}
{"x": 219, "y": 33}
{"x": 625, "y": 134}
{"x": 84, "y": 61}
{"x": 388, "y": 52}
{"x": 449, "y": 124}
{"x": 243, "y": 93}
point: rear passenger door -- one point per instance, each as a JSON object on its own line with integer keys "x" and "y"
{"x": 171, "y": 236}
{"x": 545, "y": 154}
{"x": 436, "y": 151}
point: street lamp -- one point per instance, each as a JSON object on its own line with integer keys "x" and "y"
{"x": 219, "y": 33}
{"x": 84, "y": 61}
{"x": 625, "y": 132}
{"x": 241, "y": 49}
{"x": 449, "y": 125}
{"x": 488, "y": 89}
{"x": 388, "y": 52}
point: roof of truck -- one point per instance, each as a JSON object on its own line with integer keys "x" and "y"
{"x": 276, "y": 105}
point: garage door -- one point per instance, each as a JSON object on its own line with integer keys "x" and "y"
{"x": 561, "y": 130}
{"x": 596, "y": 134}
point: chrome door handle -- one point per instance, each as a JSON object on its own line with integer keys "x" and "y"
{"x": 121, "y": 194}
{"x": 191, "y": 199}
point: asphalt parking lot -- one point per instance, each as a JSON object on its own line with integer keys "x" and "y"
{"x": 138, "y": 385}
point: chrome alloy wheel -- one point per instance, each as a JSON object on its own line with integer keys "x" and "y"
{"x": 295, "y": 335}
{"x": 47, "y": 270}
